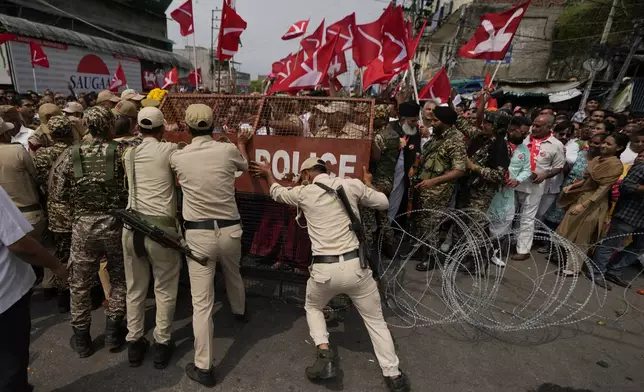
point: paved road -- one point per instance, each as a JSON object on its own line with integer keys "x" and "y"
{"x": 270, "y": 353}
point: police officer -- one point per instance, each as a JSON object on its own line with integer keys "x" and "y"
{"x": 443, "y": 161}
{"x": 19, "y": 179}
{"x": 206, "y": 172}
{"x": 47, "y": 160}
{"x": 92, "y": 183}
{"x": 126, "y": 120}
{"x": 336, "y": 264}
{"x": 41, "y": 137}
{"x": 153, "y": 197}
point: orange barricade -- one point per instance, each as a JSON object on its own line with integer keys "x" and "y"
{"x": 287, "y": 131}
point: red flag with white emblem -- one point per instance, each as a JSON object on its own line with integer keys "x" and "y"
{"x": 394, "y": 44}
{"x": 313, "y": 42}
{"x": 310, "y": 73}
{"x": 375, "y": 74}
{"x": 367, "y": 44}
{"x": 438, "y": 89}
{"x": 170, "y": 79}
{"x": 297, "y": 29}
{"x": 231, "y": 28}
{"x": 343, "y": 29}
{"x": 283, "y": 68}
{"x": 118, "y": 80}
{"x": 338, "y": 65}
{"x": 38, "y": 56}
{"x": 183, "y": 16}
{"x": 494, "y": 35}
{"x": 194, "y": 77}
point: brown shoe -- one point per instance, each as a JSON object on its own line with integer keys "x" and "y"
{"x": 520, "y": 256}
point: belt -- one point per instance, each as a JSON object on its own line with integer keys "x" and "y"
{"x": 210, "y": 225}
{"x": 31, "y": 208}
{"x": 336, "y": 259}
{"x": 163, "y": 221}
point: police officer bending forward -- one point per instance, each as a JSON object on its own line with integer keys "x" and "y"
{"x": 206, "y": 172}
{"x": 152, "y": 195}
{"x": 336, "y": 265}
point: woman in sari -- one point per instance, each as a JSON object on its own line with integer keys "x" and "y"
{"x": 586, "y": 202}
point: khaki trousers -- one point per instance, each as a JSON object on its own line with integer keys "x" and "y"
{"x": 346, "y": 277}
{"x": 223, "y": 245}
{"x": 166, "y": 264}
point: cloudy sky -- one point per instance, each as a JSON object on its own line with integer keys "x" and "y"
{"x": 267, "y": 21}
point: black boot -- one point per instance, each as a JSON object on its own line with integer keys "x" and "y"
{"x": 323, "y": 368}
{"x": 81, "y": 342}
{"x": 399, "y": 383}
{"x": 203, "y": 377}
{"x": 136, "y": 351}
{"x": 162, "y": 354}
{"x": 114, "y": 334}
{"x": 427, "y": 264}
{"x": 63, "y": 301}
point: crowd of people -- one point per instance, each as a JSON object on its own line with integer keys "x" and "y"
{"x": 67, "y": 163}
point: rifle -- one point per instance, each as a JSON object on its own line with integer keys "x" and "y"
{"x": 357, "y": 227}
{"x": 134, "y": 221}
{"x": 413, "y": 180}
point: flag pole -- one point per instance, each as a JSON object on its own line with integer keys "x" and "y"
{"x": 498, "y": 64}
{"x": 194, "y": 51}
{"x": 413, "y": 81}
{"x": 33, "y": 71}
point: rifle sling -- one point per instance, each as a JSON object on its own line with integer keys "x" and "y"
{"x": 138, "y": 240}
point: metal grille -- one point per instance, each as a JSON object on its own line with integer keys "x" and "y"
{"x": 287, "y": 131}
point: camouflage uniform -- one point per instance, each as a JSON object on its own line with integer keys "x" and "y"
{"x": 478, "y": 188}
{"x": 388, "y": 141}
{"x": 440, "y": 155}
{"x": 92, "y": 181}
{"x": 58, "y": 210}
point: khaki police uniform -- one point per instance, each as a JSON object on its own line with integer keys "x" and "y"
{"x": 152, "y": 194}
{"x": 328, "y": 227}
{"x": 206, "y": 172}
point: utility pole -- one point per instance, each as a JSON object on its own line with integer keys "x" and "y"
{"x": 604, "y": 39}
{"x": 452, "y": 49}
{"x": 214, "y": 28}
{"x": 622, "y": 72}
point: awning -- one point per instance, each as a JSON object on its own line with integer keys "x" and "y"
{"x": 536, "y": 88}
{"x": 21, "y": 26}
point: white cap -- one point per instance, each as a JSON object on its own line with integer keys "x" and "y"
{"x": 150, "y": 118}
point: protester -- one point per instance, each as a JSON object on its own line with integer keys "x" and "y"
{"x": 27, "y": 109}
{"x": 585, "y": 201}
{"x": 17, "y": 250}
{"x": 547, "y": 159}
{"x": 635, "y": 145}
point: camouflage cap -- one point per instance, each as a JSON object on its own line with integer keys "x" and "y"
{"x": 60, "y": 127}
{"x": 99, "y": 120}
{"x": 381, "y": 111}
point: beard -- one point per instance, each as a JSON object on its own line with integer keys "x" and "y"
{"x": 409, "y": 130}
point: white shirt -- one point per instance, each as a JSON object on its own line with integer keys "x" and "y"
{"x": 22, "y": 136}
{"x": 326, "y": 220}
{"x": 551, "y": 156}
{"x": 16, "y": 276}
{"x": 572, "y": 151}
{"x": 628, "y": 156}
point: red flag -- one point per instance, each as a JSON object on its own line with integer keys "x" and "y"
{"x": 412, "y": 43}
{"x": 438, "y": 89}
{"x": 344, "y": 30}
{"x": 297, "y": 29}
{"x": 194, "y": 77}
{"x": 338, "y": 64}
{"x": 492, "y": 38}
{"x": 310, "y": 73}
{"x": 183, "y": 16}
{"x": 394, "y": 45}
{"x": 232, "y": 26}
{"x": 118, "y": 80}
{"x": 487, "y": 81}
{"x": 38, "y": 56}
{"x": 287, "y": 66}
{"x": 313, "y": 42}
{"x": 171, "y": 78}
{"x": 375, "y": 73}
